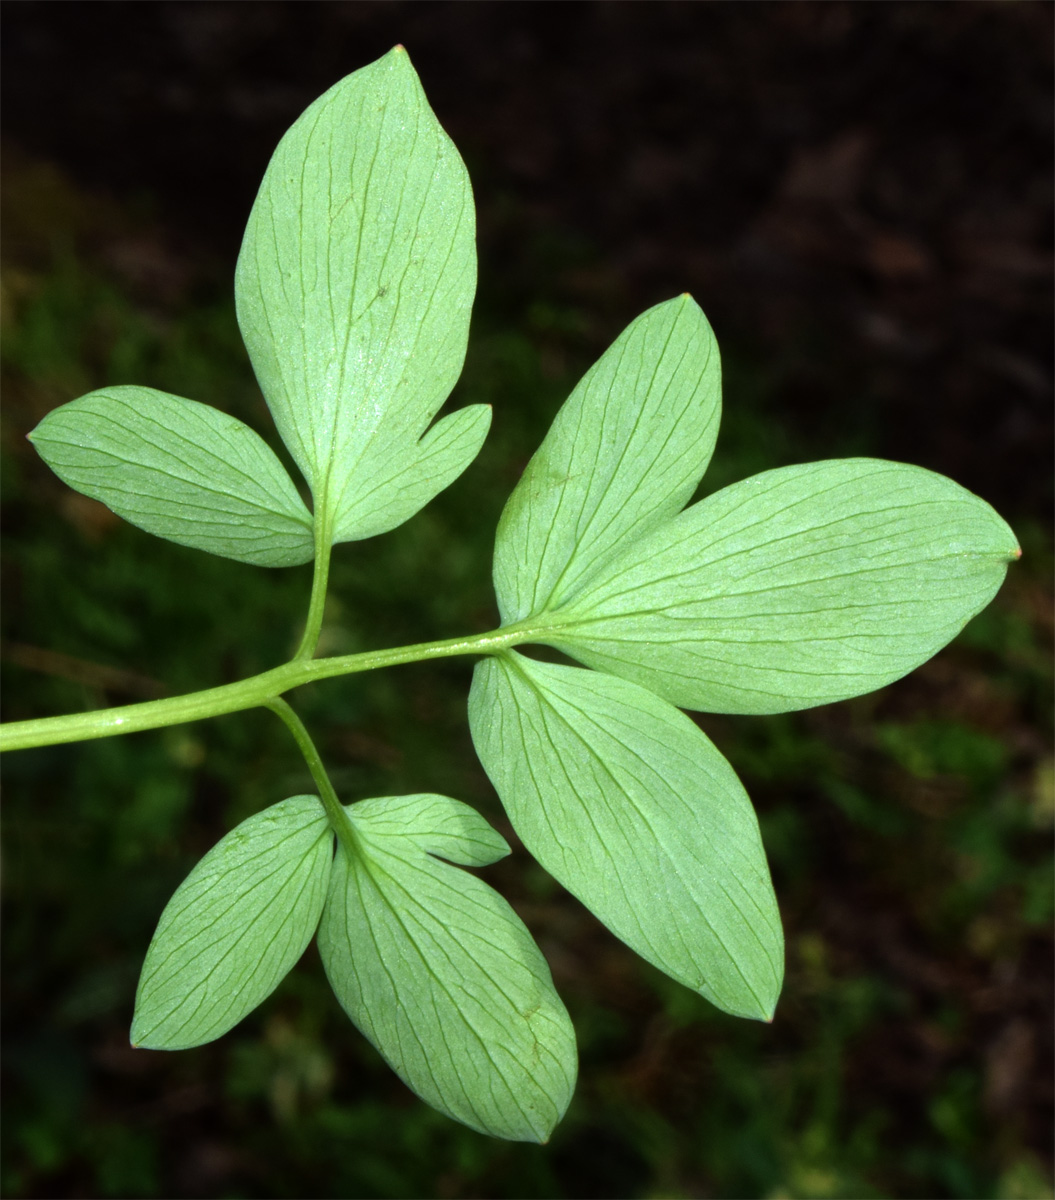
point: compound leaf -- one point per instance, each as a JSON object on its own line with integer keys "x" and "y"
{"x": 625, "y": 452}
{"x": 353, "y": 288}
{"x": 179, "y": 469}
{"x": 796, "y": 587}
{"x": 624, "y": 800}
{"x": 440, "y": 974}
{"x": 235, "y": 926}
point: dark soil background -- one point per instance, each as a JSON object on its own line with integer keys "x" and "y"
{"x": 860, "y": 198}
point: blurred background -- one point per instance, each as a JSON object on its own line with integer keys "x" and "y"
{"x": 860, "y": 197}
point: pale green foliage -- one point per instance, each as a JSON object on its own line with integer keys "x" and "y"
{"x": 625, "y": 801}
{"x": 354, "y": 288}
{"x": 625, "y": 452}
{"x": 440, "y": 973}
{"x": 793, "y": 588}
{"x": 235, "y": 926}
{"x": 181, "y": 470}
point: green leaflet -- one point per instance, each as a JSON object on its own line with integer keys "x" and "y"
{"x": 353, "y": 288}
{"x": 796, "y": 587}
{"x": 181, "y": 470}
{"x": 625, "y": 801}
{"x": 440, "y": 974}
{"x": 235, "y": 926}
{"x": 625, "y": 452}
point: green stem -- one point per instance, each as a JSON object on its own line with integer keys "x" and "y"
{"x": 319, "y": 580}
{"x": 338, "y": 818}
{"x": 246, "y": 693}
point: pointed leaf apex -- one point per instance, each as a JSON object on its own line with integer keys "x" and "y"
{"x": 625, "y": 453}
{"x": 234, "y": 927}
{"x": 612, "y": 789}
{"x": 441, "y": 975}
{"x": 179, "y": 470}
{"x": 793, "y": 588}
{"x": 356, "y": 366}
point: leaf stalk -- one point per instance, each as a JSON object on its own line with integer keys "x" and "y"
{"x": 254, "y": 692}
{"x": 319, "y": 580}
{"x": 335, "y": 813}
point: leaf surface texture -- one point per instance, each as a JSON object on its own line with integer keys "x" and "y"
{"x": 624, "y": 800}
{"x": 440, "y": 974}
{"x": 235, "y": 926}
{"x": 181, "y": 470}
{"x": 354, "y": 287}
{"x": 796, "y": 587}
{"x": 625, "y": 452}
